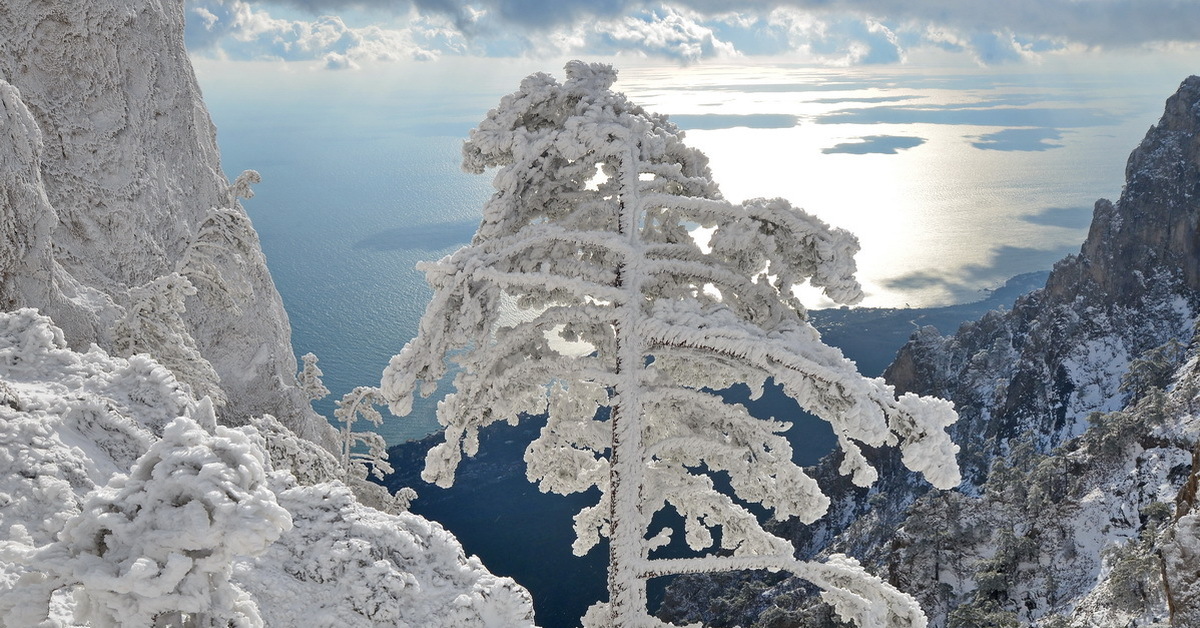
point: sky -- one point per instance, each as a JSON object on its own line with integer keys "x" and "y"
{"x": 345, "y": 34}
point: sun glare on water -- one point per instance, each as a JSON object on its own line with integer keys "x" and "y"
{"x": 945, "y": 179}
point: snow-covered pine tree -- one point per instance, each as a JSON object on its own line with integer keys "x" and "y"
{"x": 309, "y": 378}
{"x": 628, "y": 324}
{"x": 361, "y": 402}
{"x": 357, "y": 465}
{"x": 223, "y": 240}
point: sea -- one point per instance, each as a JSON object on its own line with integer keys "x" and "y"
{"x": 953, "y": 179}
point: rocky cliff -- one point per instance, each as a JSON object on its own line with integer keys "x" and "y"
{"x": 1077, "y": 424}
{"x": 111, "y": 174}
{"x": 125, "y": 499}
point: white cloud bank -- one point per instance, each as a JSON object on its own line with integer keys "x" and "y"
{"x": 836, "y": 32}
{"x": 234, "y": 29}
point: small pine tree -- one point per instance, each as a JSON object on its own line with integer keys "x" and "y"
{"x": 357, "y": 403}
{"x": 357, "y": 464}
{"x": 224, "y": 239}
{"x": 309, "y": 378}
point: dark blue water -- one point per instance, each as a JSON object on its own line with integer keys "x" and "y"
{"x": 345, "y": 210}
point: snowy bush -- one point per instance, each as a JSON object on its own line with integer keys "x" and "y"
{"x": 629, "y": 319}
{"x": 216, "y": 258}
{"x": 345, "y": 566}
{"x": 102, "y": 520}
{"x": 158, "y": 545}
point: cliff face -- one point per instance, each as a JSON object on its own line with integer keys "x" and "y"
{"x": 1061, "y": 352}
{"x": 1077, "y": 423}
{"x": 116, "y": 221}
{"x": 110, "y": 177}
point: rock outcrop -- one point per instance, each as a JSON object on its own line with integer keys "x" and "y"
{"x": 1061, "y": 352}
{"x": 117, "y": 222}
{"x": 110, "y": 169}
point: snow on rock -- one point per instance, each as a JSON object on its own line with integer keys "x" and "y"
{"x": 162, "y": 539}
{"x": 121, "y": 499}
{"x": 113, "y": 168}
{"x": 391, "y": 570}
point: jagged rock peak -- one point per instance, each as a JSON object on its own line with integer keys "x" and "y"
{"x": 1062, "y": 350}
{"x": 1154, "y": 225}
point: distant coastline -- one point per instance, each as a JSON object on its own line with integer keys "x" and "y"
{"x": 872, "y": 336}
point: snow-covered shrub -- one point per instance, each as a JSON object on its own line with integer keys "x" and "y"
{"x": 224, "y": 240}
{"x": 345, "y": 566}
{"x": 158, "y": 545}
{"x": 240, "y": 188}
{"x": 307, "y": 461}
{"x": 356, "y": 464}
{"x": 640, "y": 291}
{"x": 357, "y": 403}
{"x": 1153, "y": 369}
{"x": 100, "y": 516}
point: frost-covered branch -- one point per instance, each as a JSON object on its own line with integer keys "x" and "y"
{"x": 224, "y": 239}
{"x": 856, "y": 595}
{"x": 153, "y": 324}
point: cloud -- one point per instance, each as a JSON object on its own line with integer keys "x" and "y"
{"x": 840, "y": 32}
{"x": 666, "y": 33}
{"x": 1089, "y": 22}
{"x": 844, "y": 40}
{"x": 235, "y": 29}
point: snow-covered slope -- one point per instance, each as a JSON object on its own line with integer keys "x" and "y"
{"x": 113, "y": 508}
{"x": 111, "y": 168}
{"x": 144, "y": 476}
{"x": 1078, "y": 419}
